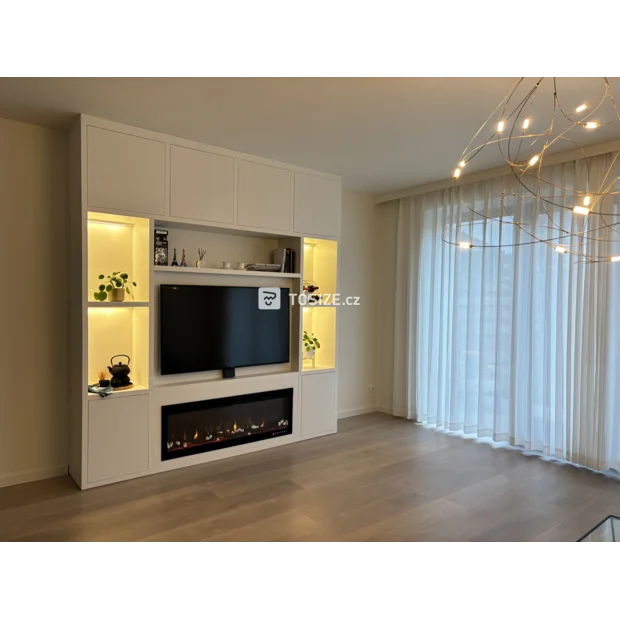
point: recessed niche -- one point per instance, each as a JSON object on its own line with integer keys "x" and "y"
{"x": 118, "y": 243}
{"x": 223, "y": 245}
{"x": 320, "y": 321}
{"x": 119, "y": 331}
{"x": 321, "y": 264}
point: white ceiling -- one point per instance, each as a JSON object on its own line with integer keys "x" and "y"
{"x": 380, "y": 134}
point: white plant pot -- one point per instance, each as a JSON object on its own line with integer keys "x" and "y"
{"x": 117, "y": 294}
{"x": 308, "y": 355}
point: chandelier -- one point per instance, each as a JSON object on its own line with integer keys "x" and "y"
{"x": 580, "y": 218}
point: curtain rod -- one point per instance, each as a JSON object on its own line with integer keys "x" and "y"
{"x": 492, "y": 173}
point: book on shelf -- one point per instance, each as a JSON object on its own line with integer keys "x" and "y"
{"x": 285, "y": 257}
{"x": 272, "y": 267}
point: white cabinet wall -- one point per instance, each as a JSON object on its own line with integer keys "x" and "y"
{"x": 125, "y": 172}
{"x": 317, "y": 205}
{"x": 202, "y": 185}
{"x": 264, "y": 196}
{"x": 318, "y": 404}
{"x": 118, "y": 437}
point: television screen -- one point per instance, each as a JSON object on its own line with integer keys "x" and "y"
{"x": 216, "y": 327}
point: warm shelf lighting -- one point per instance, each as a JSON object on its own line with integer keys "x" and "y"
{"x": 586, "y": 200}
{"x": 457, "y": 173}
{"x": 560, "y": 249}
{"x": 581, "y": 108}
{"x": 110, "y": 224}
{"x": 615, "y": 259}
{"x": 526, "y": 123}
{"x": 533, "y": 160}
{"x": 591, "y": 125}
{"x": 500, "y": 127}
{"x": 465, "y": 245}
{"x": 581, "y": 210}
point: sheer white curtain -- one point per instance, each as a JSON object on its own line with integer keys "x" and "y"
{"x": 519, "y": 344}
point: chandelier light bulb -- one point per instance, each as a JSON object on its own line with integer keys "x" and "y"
{"x": 457, "y": 173}
{"x": 526, "y": 123}
{"x": 615, "y": 259}
{"x": 463, "y": 164}
{"x": 586, "y": 200}
{"x": 500, "y": 127}
{"x": 533, "y": 160}
{"x": 581, "y": 108}
{"x": 560, "y": 249}
{"x": 465, "y": 245}
{"x": 581, "y": 210}
{"x": 591, "y": 125}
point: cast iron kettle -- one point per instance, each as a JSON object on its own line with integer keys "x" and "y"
{"x": 120, "y": 372}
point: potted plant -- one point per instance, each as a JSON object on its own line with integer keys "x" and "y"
{"x": 115, "y": 285}
{"x": 311, "y": 344}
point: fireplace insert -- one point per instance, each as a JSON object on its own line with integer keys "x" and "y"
{"x": 202, "y": 426}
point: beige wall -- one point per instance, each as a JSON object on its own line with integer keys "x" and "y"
{"x": 386, "y": 278}
{"x": 34, "y": 304}
{"x": 357, "y": 326}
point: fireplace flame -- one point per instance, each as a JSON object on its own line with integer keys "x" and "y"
{"x": 196, "y": 435}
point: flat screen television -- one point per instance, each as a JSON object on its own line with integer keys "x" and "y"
{"x": 216, "y": 327}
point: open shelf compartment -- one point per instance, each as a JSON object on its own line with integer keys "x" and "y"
{"x": 321, "y": 265}
{"x": 320, "y": 321}
{"x": 119, "y": 331}
{"x": 118, "y": 243}
{"x": 222, "y": 245}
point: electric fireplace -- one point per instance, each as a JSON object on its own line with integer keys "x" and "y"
{"x": 202, "y": 426}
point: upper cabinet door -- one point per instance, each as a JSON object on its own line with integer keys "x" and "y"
{"x": 202, "y": 185}
{"x": 264, "y": 196}
{"x": 126, "y": 173}
{"x": 317, "y": 205}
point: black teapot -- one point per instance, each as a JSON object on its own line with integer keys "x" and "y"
{"x": 120, "y": 372}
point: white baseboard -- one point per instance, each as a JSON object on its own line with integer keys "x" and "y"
{"x": 7, "y": 480}
{"x": 349, "y": 413}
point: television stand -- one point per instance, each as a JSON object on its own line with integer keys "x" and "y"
{"x": 228, "y": 373}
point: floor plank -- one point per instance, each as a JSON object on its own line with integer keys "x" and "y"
{"x": 378, "y": 478}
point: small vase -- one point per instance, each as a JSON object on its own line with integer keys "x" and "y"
{"x": 117, "y": 294}
{"x": 200, "y": 264}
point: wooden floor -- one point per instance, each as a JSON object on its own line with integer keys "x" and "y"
{"x": 379, "y": 478}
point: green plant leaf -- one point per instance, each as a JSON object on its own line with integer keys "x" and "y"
{"x": 128, "y": 291}
{"x": 101, "y": 276}
{"x": 134, "y": 284}
{"x": 114, "y": 273}
{"x": 102, "y": 287}
{"x": 124, "y": 276}
{"x": 109, "y": 287}
{"x": 103, "y": 295}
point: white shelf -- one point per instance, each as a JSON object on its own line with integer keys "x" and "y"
{"x": 320, "y": 306}
{"x": 136, "y": 389}
{"x": 225, "y": 272}
{"x": 317, "y": 369}
{"x": 118, "y": 304}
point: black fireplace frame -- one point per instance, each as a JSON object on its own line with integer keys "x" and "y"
{"x": 170, "y": 410}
